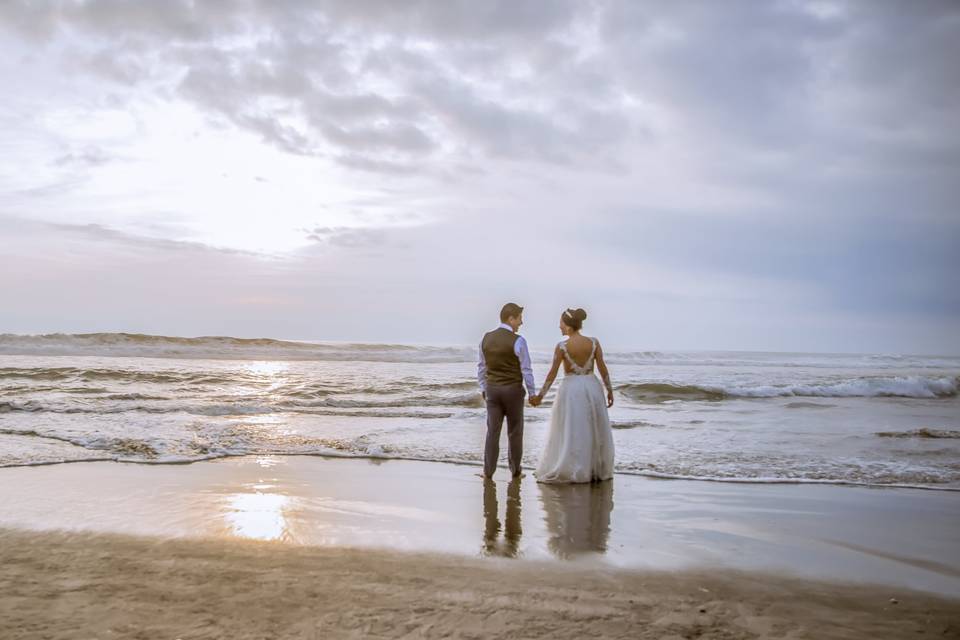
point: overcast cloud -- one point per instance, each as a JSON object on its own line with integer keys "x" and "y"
{"x": 756, "y": 175}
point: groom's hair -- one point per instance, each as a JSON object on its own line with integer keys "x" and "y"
{"x": 510, "y": 310}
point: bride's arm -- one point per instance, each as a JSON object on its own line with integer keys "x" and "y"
{"x": 554, "y": 368}
{"x": 604, "y": 375}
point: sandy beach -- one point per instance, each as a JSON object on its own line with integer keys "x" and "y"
{"x": 307, "y": 547}
{"x": 110, "y": 586}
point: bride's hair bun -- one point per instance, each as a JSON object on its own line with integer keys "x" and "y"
{"x": 574, "y": 318}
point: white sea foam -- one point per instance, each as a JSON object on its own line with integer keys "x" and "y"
{"x": 156, "y": 451}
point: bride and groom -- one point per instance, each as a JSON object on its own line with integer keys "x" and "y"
{"x": 579, "y": 445}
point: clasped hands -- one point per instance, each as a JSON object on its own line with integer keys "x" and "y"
{"x": 536, "y": 400}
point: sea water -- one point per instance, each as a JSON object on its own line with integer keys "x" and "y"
{"x": 891, "y": 420}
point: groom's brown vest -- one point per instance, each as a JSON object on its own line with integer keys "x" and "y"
{"x": 503, "y": 365}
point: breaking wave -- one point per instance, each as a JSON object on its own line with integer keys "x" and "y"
{"x": 665, "y": 391}
{"x": 632, "y": 424}
{"x": 920, "y": 433}
{"x": 233, "y": 348}
{"x": 869, "y": 387}
{"x": 221, "y": 348}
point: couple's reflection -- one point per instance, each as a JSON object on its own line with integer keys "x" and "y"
{"x": 491, "y": 531}
{"x": 577, "y": 518}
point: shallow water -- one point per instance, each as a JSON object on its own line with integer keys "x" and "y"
{"x": 733, "y": 416}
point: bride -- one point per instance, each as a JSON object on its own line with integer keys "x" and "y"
{"x": 580, "y": 444}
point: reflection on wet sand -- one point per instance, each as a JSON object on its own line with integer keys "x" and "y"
{"x": 577, "y": 517}
{"x": 509, "y": 546}
{"x": 257, "y": 515}
{"x": 261, "y": 510}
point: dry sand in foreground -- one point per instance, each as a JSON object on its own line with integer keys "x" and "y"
{"x": 58, "y": 585}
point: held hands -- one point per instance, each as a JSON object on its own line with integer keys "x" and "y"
{"x": 537, "y": 400}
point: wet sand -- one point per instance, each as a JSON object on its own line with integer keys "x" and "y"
{"x": 305, "y": 547}
{"x": 61, "y": 585}
{"x": 898, "y": 537}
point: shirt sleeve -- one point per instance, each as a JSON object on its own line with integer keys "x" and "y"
{"x": 482, "y": 371}
{"x": 526, "y": 368}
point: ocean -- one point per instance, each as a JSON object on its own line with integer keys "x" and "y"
{"x": 873, "y": 419}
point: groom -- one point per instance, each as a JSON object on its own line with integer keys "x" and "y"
{"x": 503, "y": 371}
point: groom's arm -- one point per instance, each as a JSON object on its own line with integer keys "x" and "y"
{"x": 526, "y": 367}
{"x": 482, "y": 372}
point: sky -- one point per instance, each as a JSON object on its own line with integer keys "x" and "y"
{"x": 777, "y": 175}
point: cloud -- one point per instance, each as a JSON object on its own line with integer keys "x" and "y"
{"x": 874, "y": 83}
{"x": 791, "y": 160}
{"x": 347, "y": 237}
{"x": 428, "y": 87}
{"x": 91, "y": 156}
{"x": 349, "y": 81}
{"x": 428, "y": 84}
{"x": 103, "y": 234}
{"x": 869, "y": 264}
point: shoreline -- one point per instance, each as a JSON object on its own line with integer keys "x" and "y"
{"x": 651, "y": 475}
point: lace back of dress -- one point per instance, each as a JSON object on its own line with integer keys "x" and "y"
{"x": 575, "y": 368}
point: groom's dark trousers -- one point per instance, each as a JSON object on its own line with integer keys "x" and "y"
{"x": 504, "y": 401}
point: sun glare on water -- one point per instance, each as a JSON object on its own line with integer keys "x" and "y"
{"x": 266, "y": 369}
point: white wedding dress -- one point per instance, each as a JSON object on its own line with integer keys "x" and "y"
{"x": 580, "y": 443}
